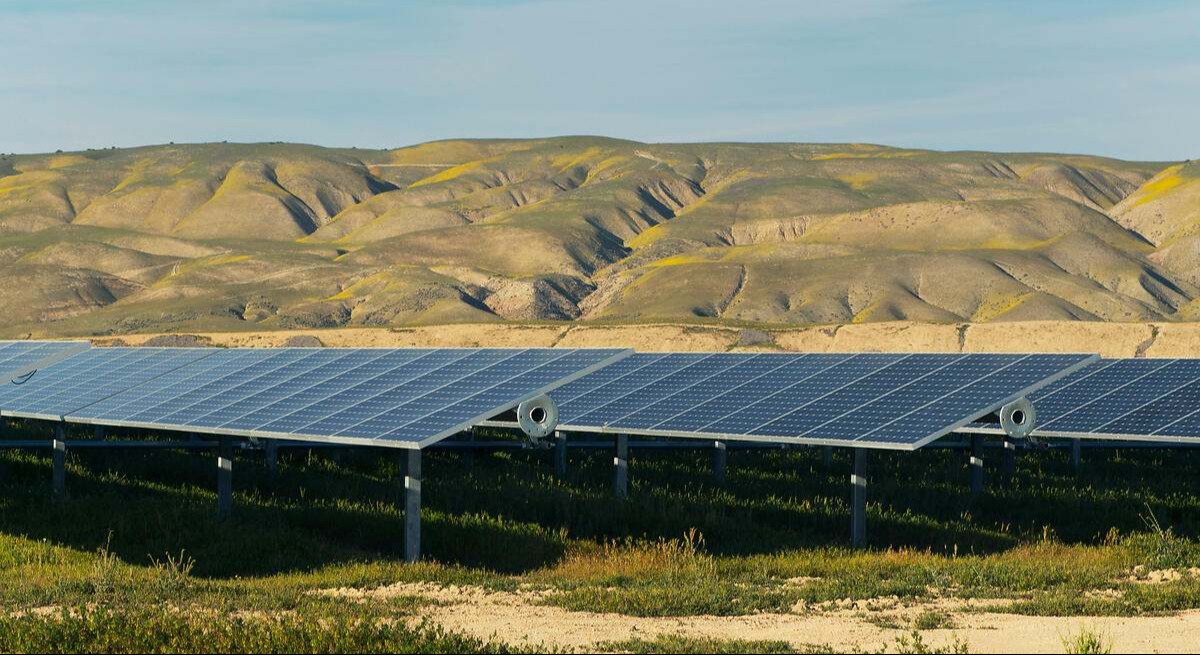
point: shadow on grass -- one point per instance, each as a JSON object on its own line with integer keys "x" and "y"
{"x": 508, "y": 514}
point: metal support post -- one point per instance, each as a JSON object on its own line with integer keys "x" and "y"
{"x": 1009, "y": 463}
{"x": 976, "y": 463}
{"x": 271, "y": 456}
{"x": 412, "y": 506}
{"x": 858, "y": 500}
{"x": 720, "y": 461}
{"x": 621, "y": 467}
{"x": 59, "y": 459}
{"x": 560, "y": 454}
{"x": 224, "y": 478}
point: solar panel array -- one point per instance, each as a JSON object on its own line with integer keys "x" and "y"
{"x": 892, "y": 401}
{"x": 1126, "y": 399}
{"x": 399, "y": 398}
{"x": 413, "y": 397}
{"x": 20, "y": 358}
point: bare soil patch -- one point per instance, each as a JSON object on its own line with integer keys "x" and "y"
{"x": 523, "y": 618}
{"x": 1107, "y": 339}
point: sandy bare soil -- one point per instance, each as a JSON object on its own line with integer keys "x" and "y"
{"x": 522, "y": 618}
{"x": 1108, "y": 339}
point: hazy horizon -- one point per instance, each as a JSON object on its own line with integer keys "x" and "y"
{"x": 535, "y": 137}
{"x": 1100, "y": 78}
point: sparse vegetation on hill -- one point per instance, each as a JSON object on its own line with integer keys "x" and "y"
{"x": 267, "y": 236}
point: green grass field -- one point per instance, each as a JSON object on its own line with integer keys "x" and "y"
{"x": 134, "y": 558}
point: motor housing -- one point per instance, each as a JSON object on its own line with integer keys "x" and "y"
{"x": 538, "y": 418}
{"x": 1018, "y": 419}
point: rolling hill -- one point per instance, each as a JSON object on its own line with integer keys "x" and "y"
{"x": 285, "y": 236}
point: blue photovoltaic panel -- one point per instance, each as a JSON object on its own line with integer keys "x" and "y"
{"x": 93, "y": 377}
{"x": 186, "y": 409}
{"x": 350, "y": 416}
{"x": 311, "y": 403}
{"x": 53, "y": 378}
{"x": 21, "y": 358}
{"x": 45, "y": 377}
{"x": 1123, "y": 399}
{"x": 462, "y": 405}
{"x": 438, "y": 395}
{"x": 734, "y": 405}
{"x": 284, "y": 383}
{"x": 706, "y": 391}
{"x": 170, "y": 386}
{"x": 1027, "y": 374}
{"x": 650, "y": 383}
{"x": 400, "y": 398}
{"x": 1132, "y": 394}
{"x": 892, "y": 401}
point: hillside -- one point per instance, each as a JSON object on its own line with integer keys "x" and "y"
{"x": 215, "y": 237}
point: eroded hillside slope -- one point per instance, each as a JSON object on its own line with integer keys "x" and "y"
{"x": 277, "y": 236}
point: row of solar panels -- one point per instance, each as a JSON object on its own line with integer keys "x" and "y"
{"x": 400, "y": 398}
{"x": 871, "y": 400}
{"x": 412, "y": 398}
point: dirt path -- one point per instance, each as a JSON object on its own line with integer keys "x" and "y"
{"x": 520, "y": 619}
{"x": 1107, "y": 339}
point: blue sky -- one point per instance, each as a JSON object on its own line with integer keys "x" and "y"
{"x": 1098, "y": 77}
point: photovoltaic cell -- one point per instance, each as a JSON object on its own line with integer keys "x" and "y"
{"x": 457, "y": 392}
{"x": 391, "y": 388}
{"x": 683, "y": 370}
{"x": 892, "y": 401}
{"x": 53, "y": 379}
{"x": 1028, "y": 373}
{"x": 653, "y": 368}
{"x": 792, "y": 394}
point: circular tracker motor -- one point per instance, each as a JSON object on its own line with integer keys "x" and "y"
{"x": 1018, "y": 418}
{"x": 538, "y": 418}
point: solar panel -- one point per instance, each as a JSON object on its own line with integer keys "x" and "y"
{"x": 1122, "y": 399}
{"x": 172, "y": 386}
{"x": 396, "y": 398}
{"x": 17, "y": 388}
{"x": 21, "y": 358}
{"x": 891, "y": 401}
{"x": 90, "y": 378}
